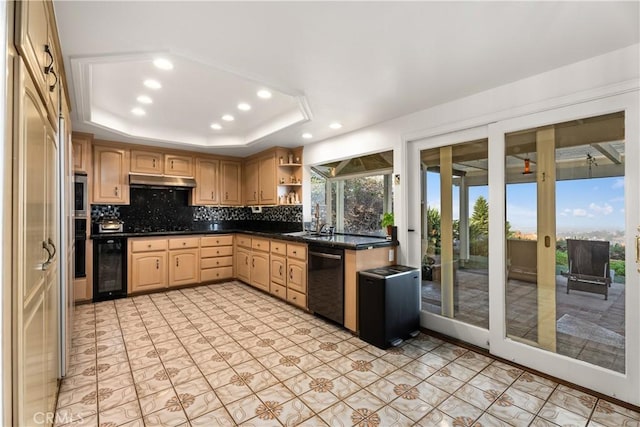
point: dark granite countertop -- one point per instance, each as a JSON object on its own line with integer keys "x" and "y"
{"x": 345, "y": 241}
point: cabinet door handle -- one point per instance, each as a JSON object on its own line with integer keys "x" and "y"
{"x": 280, "y": 271}
{"x": 246, "y": 261}
{"x": 45, "y": 264}
{"x": 212, "y": 195}
{"x": 171, "y": 164}
{"x": 53, "y": 86}
{"x": 50, "y": 242}
{"x": 254, "y": 196}
{"x": 154, "y": 163}
{"x": 115, "y": 189}
{"x": 157, "y": 264}
{"x": 48, "y": 68}
{"x": 253, "y": 263}
{"x": 226, "y": 195}
{"x": 177, "y": 262}
{"x": 291, "y": 274}
{"x": 184, "y": 243}
{"x": 261, "y": 194}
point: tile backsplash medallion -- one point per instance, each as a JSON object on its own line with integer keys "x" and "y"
{"x": 166, "y": 207}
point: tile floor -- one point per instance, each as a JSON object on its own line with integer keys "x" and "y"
{"x": 227, "y": 354}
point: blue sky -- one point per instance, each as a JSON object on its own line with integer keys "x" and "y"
{"x": 581, "y": 205}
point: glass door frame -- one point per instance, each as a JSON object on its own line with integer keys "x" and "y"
{"x": 448, "y": 326}
{"x": 622, "y": 386}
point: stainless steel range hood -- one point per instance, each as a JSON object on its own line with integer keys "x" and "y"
{"x": 160, "y": 181}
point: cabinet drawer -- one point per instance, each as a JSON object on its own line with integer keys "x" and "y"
{"x": 220, "y": 273}
{"x": 184, "y": 242}
{"x": 224, "y": 261}
{"x": 222, "y": 240}
{"x": 214, "y": 252}
{"x": 244, "y": 241}
{"x": 148, "y": 245}
{"x": 278, "y": 247}
{"x": 297, "y": 298}
{"x": 278, "y": 290}
{"x": 297, "y": 251}
{"x": 260, "y": 244}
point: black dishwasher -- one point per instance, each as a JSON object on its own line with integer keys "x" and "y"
{"x": 326, "y": 282}
{"x": 109, "y": 268}
{"x": 388, "y": 305}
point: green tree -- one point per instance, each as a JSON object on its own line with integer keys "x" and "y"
{"x": 479, "y": 221}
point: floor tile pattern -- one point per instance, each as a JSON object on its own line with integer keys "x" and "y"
{"x": 227, "y": 354}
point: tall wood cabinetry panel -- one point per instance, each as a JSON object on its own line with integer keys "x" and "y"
{"x": 206, "y": 191}
{"x": 110, "y": 175}
{"x": 36, "y": 249}
{"x": 146, "y": 162}
{"x": 178, "y": 165}
{"x": 251, "y": 177}
{"x": 230, "y": 183}
{"x": 81, "y": 152}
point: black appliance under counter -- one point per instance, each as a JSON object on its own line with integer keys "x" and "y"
{"x": 109, "y": 268}
{"x": 388, "y": 305}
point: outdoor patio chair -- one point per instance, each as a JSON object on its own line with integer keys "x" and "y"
{"x": 588, "y": 266}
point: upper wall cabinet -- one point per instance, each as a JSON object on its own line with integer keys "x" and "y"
{"x": 147, "y": 162}
{"x": 268, "y": 194}
{"x": 251, "y": 185}
{"x": 177, "y": 165}
{"x": 230, "y": 183}
{"x": 81, "y": 152}
{"x": 36, "y": 40}
{"x": 206, "y": 191}
{"x": 110, "y": 175}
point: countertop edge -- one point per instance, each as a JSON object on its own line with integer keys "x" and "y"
{"x": 378, "y": 243}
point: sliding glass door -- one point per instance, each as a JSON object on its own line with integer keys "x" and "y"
{"x": 565, "y": 186}
{"x": 525, "y": 232}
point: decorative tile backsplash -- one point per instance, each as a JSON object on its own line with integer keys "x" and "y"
{"x": 163, "y": 208}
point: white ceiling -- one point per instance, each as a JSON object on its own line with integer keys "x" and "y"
{"x": 357, "y": 63}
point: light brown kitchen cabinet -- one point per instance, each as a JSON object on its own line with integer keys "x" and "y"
{"x": 260, "y": 181}
{"x": 184, "y": 267}
{"x": 146, "y": 162}
{"x": 297, "y": 276}
{"x": 230, "y": 183}
{"x": 278, "y": 276}
{"x": 260, "y": 270}
{"x": 110, "y": 175}
{"x": 243, "y": 264}
{"x": 35, "y": 268}
{"x": 206, "y": 191}
{"x": 268, "y": 193}
{"x": 251, "y": 186}
{"x": 148, "y": 271}
{"x": 177, "y": 165}
{"x": 36, "y": 41}
{"x": 216, "y": 257}
{"x": 81, "y": 143}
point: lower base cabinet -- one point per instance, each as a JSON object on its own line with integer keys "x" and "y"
{"x": 243, "y": 265}
{"x": 148, "y": 271}
{"x": 184, "y": 267}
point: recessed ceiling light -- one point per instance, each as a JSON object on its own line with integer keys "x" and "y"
{"x": 216, "y": 126}
{"x": 307, "y": 135}
{"x": 335, "y": 125}
{"x": 152, "y": 84}
{"x": 144, "y": 99}
{"x": 228, "y": 118}
{"x": 264, "y": 94}
{"x": 163, "y": 63}
{"x": 138, "y": 111}
{"x": 243, "y": 106}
